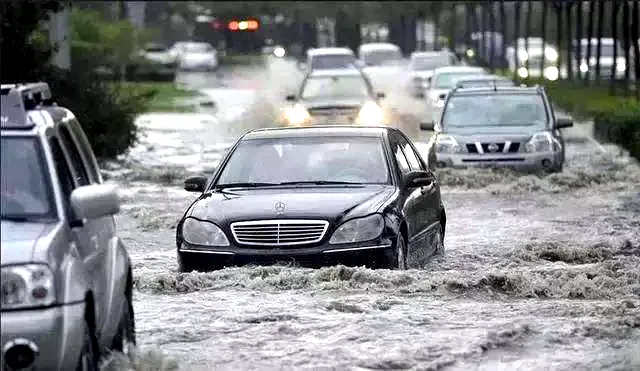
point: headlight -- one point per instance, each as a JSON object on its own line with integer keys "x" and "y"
{"x": 523, "y": 55}
{"x": 297, "y": 115}
{"x": 197, "y": 232}
{"x": 621, "y": 67}
{"x": 523, "y": 72}
{"x": 551, "y": 54}
{"x": 540, "y": 142}
{"x": 25, "y": 286}
{"x": 551, "y": 73}
{"x": 357, "y": 230}
{"x": 584, "y": 67}
{"x": 448, "y": 144}
{"x": 370, "y": 114}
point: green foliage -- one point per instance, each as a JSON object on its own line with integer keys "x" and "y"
{"x": 620, "y": 125}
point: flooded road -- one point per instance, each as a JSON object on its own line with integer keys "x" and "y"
{"x": 540, "y": 271}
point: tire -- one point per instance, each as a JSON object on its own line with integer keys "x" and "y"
{"x": 438, "y": 241}
{"x": 89, "y": 356}
{"x": 396, "y": 258}
{"x": 125, "y": 339}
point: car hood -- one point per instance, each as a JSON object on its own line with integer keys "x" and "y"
{"x": 19, "y": 241}
{"x": 333, "y": 103}
{"x": 493, "y": 134}
{"x": 327, "y": 203}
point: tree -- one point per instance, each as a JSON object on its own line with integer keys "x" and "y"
{"x": 503, "y": 29}
{"x": 592, "y": 11}
{"x": 635, "y": 36}
{"x": 599, "y": 36}
{"x": 626, "y": 44}
{"x": 527, "y": 31}
{"x": 516, "y": 29}
{"x": 578, "y": 46}
{"x": 545, "y": 8}
{"x": 569, "y": 43}
{"x": 614, "y": 31}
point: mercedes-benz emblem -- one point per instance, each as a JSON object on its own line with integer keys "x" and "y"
{"x": 493, "y": 147}
{"x": 280, "y": 207}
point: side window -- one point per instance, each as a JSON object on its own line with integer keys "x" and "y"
{"x": 85, "y": 148}
{"x": 81, "y": 176}
{"x": 401, "y": 160}
{"x": 412, "y": 158}
{"x": 64, "y": 173}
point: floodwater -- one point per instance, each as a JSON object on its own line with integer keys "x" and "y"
{"x": 540, "y": 272}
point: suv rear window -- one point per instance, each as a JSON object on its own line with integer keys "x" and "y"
{"x": 26, "y": 188}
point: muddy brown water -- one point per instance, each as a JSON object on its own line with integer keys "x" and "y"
{"x": 541, "y": 271}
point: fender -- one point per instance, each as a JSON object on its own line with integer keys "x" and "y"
{"x": 74, "y": 279}
{"x": 119, "y": 264}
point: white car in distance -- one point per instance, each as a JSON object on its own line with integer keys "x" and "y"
{"x": 195, "y": 56}
{"x": 443, "y": 80}
{"x": 421, "y": 66}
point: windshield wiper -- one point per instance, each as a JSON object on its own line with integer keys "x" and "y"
{"x": 319, "y": 182}
{"x": 244, "y": 185}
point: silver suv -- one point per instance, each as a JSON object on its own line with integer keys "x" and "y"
{"x": 66, "y": 276}
{"x": 498, "y": 125}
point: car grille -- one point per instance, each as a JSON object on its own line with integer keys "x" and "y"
{"x": 351, "y": 112}
{"x": 510, "y": 147}
{"x": 279, "y": 232}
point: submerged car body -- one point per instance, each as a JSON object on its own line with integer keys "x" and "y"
{"x": 66, "y": 276}
{"x": 314, "y": 193}
{"x": 499, "y": 126}
{"x": 341, "y": 96}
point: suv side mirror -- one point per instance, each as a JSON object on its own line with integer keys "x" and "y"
{"x": 95, "y": 201}
{"x": 291, "y": 97}
{"x": 427, "y": 125}
{"x": 195, "y": 184}
{"x": 419, "y": 178}
{"x": 563, "y": 122}
{"x": 380, "y": 95}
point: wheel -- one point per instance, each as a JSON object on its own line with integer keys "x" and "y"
{"x": 125, "y": 339}
{"x": 438, "y": 241}
{"x": 396, "y": 258}
{"x": 89, "y": 355}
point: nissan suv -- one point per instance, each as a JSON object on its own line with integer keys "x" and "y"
{"x": 66, "y": 276}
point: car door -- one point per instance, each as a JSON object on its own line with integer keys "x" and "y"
{"x": 427, "y": 200}
{"x": 93, "y": 236}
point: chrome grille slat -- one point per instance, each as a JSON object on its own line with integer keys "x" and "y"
{"x": 279, "y": 232}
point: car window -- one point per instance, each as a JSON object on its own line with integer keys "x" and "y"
{"x": 332, "y": 61}
{"x": 381, "y": 57}
{"x": 81, "y": 176}
{"x": 87, "y": 152}
{"x": 64, "y": 174}
{"x": 26, "y": 187}
{"x": 412, "y": 158}
{"x": 335, "y": 87}
{"x": 335, "y": 159}
{"x": 401, "y": 159}
{"x": 430, "y": 63}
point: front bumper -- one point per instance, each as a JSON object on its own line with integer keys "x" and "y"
{"x": 57, "y": 333}
{"x": 532, "y": 161}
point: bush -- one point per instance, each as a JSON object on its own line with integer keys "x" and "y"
{"x": 620, "y": 126}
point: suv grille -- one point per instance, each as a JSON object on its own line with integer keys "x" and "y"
{"x": 279, "y": 232}
{"x": 513, "y": 147}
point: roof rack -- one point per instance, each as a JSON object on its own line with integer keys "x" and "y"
{"x": 18, "y": 99}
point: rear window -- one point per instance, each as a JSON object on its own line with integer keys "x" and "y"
{"x": 329, "y": 62}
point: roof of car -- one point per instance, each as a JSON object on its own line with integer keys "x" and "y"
{"x": 335, "y": 72}
{"x": 378, "y": 46}
{"x": 496, "y": 89}
{"x": 319, "y": 130}
{"x": 427, "y": 54}
{"x": 330, "y": 51}
{"x": 448, "y": 69}
{"x": 18, "y": 100}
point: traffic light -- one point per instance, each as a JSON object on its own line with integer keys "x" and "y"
{"x": 244, "y": 25}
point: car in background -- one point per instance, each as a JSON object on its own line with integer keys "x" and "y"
{"x": 195, "y": 56}
{"x": 499, "y": 126}
{"x": 530, "y": 52}
{"x": 318, "y": 195}
{"x": 382, "y": 63}
{"x": 154, "y": 63}
{"x": 329, "y": 59}
{"x": 342, "y": 96}
{"x": 421, "y": 66}
{"x": 607, "y": 47}
{"x": 444, "y": 79}
{"x": 67, "y": 280}
{"x": 484, "y": 81}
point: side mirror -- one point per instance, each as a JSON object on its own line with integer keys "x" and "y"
{"x": 427, "y": 125}
{"x": 291, "y": 97}
{"x": 302, "y": 66}
{"x": 195, "y": 184}
{"x": 563, "y": 122}
{"x": 380, "y": 95}
{"x": 415, "y": 179}
{"x": 442, "y": 96}
{"x": 95, "y": 201}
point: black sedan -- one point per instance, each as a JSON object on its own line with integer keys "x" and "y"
{"x": 317, "y": 194}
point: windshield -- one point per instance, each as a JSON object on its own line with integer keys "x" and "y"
{"x": 26, "y": 191}
{"x": 328, "y": 62}
{"x": 430, "y": 63}
{"x": 495, "y": 110}
{"x": 310, "y": 159}
{"x": 448, "y": 80}
{"x": 335, "y": 87}
{"x": 381, "y": 57}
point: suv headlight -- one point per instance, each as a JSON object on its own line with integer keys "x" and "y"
{"x": 297, "y": 115}
{"x": 358, "y": 230}
{"x": 448, "y": 144}
{"x": 551, "y": 54}
{"x": 370, "y": 114}
{"x": 27, "y": 286}
{"x": 540, "y": 142}
{"x": 196, "y": 232}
